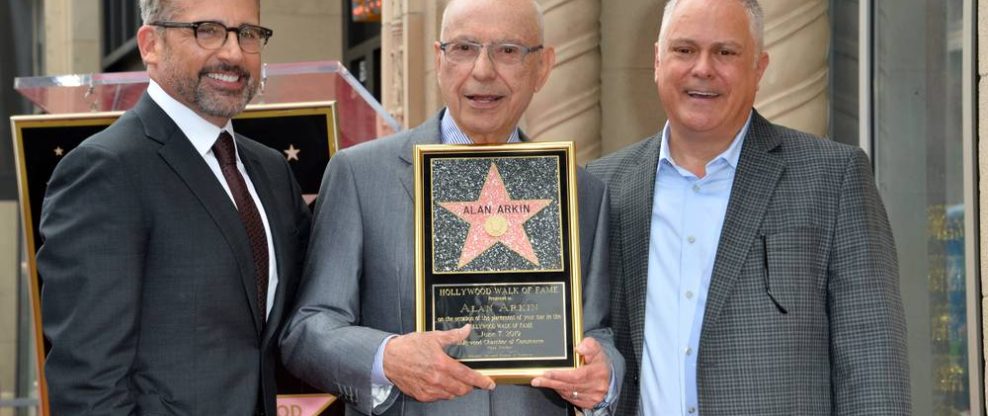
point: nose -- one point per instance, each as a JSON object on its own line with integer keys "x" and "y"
{"x": 230, "y": 51}
{"x": 703, "y": 67}
{"x": 483, "y": 66}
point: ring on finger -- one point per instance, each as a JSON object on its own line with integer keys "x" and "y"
{"x": 575, "y": 394}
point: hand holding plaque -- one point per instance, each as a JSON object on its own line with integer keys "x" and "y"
{"x": 418, "y": 365}
{"x": 497, "y": 247}
{"x": 586, "y": 386}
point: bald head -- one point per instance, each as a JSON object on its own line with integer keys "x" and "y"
{"x": 527, "y": 10}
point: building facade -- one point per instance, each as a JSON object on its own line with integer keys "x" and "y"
{"x": 907, "y": 80}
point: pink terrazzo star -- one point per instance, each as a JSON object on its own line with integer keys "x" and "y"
{"x": 496, "y": 218}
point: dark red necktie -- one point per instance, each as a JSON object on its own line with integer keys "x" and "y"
{"x": 249, "y": 216}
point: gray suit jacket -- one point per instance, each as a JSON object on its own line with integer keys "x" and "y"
{"x": 803, "y": 315}
{"x": 359, "y": 280}
{"x": 149, "y": 293}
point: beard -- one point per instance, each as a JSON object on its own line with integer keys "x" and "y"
{"x": 208, "y": 101}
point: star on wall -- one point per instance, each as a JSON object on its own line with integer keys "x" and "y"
{"x": 59, "y": 151}
{"x": 496, "y": 218}
{"x": 291, "y": 153}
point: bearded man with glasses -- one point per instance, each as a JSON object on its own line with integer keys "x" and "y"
{"x": 172, "y": 245}
{"x": 353, "y": 333}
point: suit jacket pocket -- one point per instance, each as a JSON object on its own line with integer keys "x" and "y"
{"x": 795, "y": 267}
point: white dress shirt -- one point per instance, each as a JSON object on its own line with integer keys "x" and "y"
{"x": 687, "y": 217}
{"x": 203, "y": 134}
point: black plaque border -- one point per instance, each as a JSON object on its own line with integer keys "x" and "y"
{"x": 508, "y": 370}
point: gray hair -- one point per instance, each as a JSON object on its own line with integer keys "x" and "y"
{"x": 539, "y": 14}
{"x": 164, "y": 10}
{"x": 756, "y": 22}
{"x": 156, "y": 10}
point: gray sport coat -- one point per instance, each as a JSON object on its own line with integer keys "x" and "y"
{"x": 359, "y": 279}
{"x": 149, "y": 297}
{"x": 804, "y": 315}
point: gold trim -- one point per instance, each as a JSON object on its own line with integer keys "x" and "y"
{"x": 517, "y": 376}
{"x": 106, "y": 118}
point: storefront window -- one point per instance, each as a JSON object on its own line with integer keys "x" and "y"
{"x": 922, "y": 151}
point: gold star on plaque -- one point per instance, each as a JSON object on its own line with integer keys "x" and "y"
{"x": 291, "y": 153}
{"x": 59, "y": 152}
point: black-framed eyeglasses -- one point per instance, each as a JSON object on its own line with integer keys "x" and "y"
{"x": 464, "y": 51}
{"x": 212, "y": 35}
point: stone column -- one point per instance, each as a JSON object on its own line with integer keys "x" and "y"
{"x": 304, "y": 30}
{"x": 408, "y": 30}
{"x": 568, "y": 107}
{"x": 72, "y": 37}
{"x": 794, "y": 88}
{"x": 629, "y": 99}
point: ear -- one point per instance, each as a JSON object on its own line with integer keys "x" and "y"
{"x": 656, "y": 63}
{"x": 548, "y": 61}
{"x": 437, "y": 53}
{"x": 760, "y": 66}
{"x": 149, "y": 45}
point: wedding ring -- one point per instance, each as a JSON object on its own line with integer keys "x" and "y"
{"x": 575, "y": 394}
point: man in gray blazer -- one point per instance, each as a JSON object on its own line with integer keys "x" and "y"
{"x": 168, "y": 260}
{"x": 754, "y": 271}
{"x": 353, "y": 333}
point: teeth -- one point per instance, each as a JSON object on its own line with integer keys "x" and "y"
{"x": 224, "y": 77}
{"x": 702, "y": 93}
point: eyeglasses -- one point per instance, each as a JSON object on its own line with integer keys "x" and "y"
{"x": 464, "y": 51}
{"x": 213, "y": 35}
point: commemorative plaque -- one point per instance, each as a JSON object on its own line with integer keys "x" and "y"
{"x": 497, "y": 247}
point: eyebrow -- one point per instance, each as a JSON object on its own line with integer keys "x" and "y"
{"x": 690, "y": 42}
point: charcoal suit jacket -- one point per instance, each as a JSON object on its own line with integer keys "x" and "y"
{"x": 149, "y": 295}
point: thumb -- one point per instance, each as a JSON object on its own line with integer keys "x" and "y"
{"x": 456, "y": 336}
{"x": 589, "y": 349}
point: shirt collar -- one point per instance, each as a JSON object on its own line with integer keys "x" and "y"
{"x": 451, "y": 133}
{"x": 200, "y": 132}
{"x": 731, "y": 155}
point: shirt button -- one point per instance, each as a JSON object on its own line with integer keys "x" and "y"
{"x": 691, "y": 239}
{"x": 689, "y": 350}
{"x": 689, "y": 294}
{"x": 696, "y": 188}
{"x": 691, "y": 410}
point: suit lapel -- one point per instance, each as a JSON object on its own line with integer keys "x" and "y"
{"x": 635, "y": 217}
{"x": 427, "y": 133}
{"x": 178, "y": 152}
{"x": 758, "y": 172}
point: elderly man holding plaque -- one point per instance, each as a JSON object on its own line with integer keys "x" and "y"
{"x": 353, "y": 332}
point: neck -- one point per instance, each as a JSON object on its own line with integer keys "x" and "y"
{"x": 693, "y": 151}
{"x": 496, "y": 138}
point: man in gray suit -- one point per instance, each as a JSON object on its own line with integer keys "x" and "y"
{"x": 168, "y": 260}
{"x": 353, "y": 333}
{"x": 753, "y": 268}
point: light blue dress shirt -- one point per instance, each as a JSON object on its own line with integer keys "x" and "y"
{"x": 687, "y": 217}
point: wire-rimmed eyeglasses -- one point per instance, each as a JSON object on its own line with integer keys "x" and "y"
{"x": 212, "y": 35}
{"x": 464, "y": 51}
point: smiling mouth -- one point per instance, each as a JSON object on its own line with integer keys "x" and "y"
{"x": 485, "y": 99}
{"x": 702, "y": 94}
{"x": 224, "y": 77}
